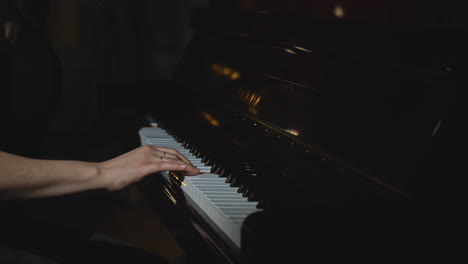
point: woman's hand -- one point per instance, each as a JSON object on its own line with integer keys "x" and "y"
{"x": 132, "y": 166}
{"x": 22, "y": 177}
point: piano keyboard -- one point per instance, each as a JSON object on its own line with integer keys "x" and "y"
{"x": 223, "y": 208}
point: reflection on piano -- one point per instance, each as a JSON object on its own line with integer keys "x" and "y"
{"x": 324, "y": 129}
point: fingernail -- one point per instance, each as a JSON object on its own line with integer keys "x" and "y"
{"x": 183, "y": 166}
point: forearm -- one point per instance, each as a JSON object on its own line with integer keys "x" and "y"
{"x": 26, "y": 178}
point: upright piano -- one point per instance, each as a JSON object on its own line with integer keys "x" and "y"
{"x": 329, "y": 131}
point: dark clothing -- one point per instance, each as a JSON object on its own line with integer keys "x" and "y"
{"x": 30, "y": 80}
{"x": 31, "y": 93}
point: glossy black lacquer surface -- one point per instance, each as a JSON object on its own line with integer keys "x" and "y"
{"x": 344, "y": 130}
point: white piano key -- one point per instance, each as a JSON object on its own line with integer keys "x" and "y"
{"x": 232, "y": 211}
{"x": 208, "y": 193}
{"x": 221, "y": 200}
{"x": 237, "y": 218}
{"x": 210, "y": 183}
{"x": 219, "y": 195}
{"x": 237, "y": 205}
{"x": 217, "y": 189}
{"x": 218, "y": 180}
{"x": 224, "y": 208}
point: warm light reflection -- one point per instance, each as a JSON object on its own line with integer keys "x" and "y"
{"x": 293, "y": 131}
{"x": 178, "y": 180}
{"x": 339, "y": 11}
{"x": 225, "y": 71}
{"x": 216, "y": 68}
{"x": 290, "y": 51}
{"x": 169, "y": 195}
{"x": 302, "y": 49}
{"x": 210, "y": 119}
{"x": 234, "y": 76}
{"x": 252, "y": 99}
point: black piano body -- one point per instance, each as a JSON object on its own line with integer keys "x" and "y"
{"x": 355, "y": 122}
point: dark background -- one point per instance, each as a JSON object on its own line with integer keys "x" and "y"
{"x": 103, "y": 44}
{"x": 103, "y": 47}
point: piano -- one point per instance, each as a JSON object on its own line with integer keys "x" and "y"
{"x": 328, "y": 131}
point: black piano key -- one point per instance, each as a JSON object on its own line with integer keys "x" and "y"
{"x": 254, "y": 183}
{"x": 215, "y": 168}
{"x": 238, "y": 180}
{"x": 242, "y": 188}
{"x": 258, "y": 189}
{"x": 229, "y": 178}
{"x": 247, "y": 189}
{"x": 247, "y": 179}
{"x": 236, "y": 176}
{"x": 259, "y": 194}
{"x": 261, "y": 204}
{"x": 221, "y": 171}
{"x": 225, "y": 174}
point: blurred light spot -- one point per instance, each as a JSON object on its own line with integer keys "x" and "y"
{"x": 302, "y": 49}
{"x": 227, "y": 71}
{"x": 436, "y": 128}
{"x": 216, "y": 68}
{"x": 293, "y": 131}
{"x": 234, "y": 76}
{"x": 339, "y": 11}
{"x": 210, "y": 119}
{"x": 290, "y": 51}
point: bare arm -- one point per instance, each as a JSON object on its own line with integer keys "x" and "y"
{"x": 27, "y": 178}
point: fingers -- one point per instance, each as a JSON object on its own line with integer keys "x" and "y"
{"x": 168, "y": 155}
{"x": 160, "y": 156}
{"x": 134, "y": 165}
{"x": 173, "y": 166}
{"x": 168, "y": 159}
{"x": 168, "y": 152}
